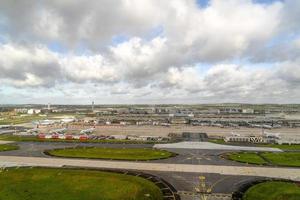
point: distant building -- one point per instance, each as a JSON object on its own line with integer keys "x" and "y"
{"x": 33, "y": 111}
{"x": 210, "y": 111}
{"x": 161, "y": 111}
{"x": 123, "y": 111}
{"x": 124, "y": 123}
{"x": 248, "y": 111}
{"x": 230, "y": 110}
{"x": 140, "y": 123}
{"x": 246, "y": 139}
{"x": 21, "y": 110}
{"x": 181, "y": 115}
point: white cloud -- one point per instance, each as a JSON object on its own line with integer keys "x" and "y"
{"x": 290, "y": 72}
{"x": 187, "y": 78}
{"x": 88, "y": 68}
{"x": 139, "y": 60}
{"x": 223, "y": 30}
{"x": 153, "y": 64}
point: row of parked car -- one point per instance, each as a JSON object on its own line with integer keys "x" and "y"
{"x": 101, "y": 137}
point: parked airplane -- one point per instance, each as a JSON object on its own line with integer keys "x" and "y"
{"x": 276, "y": 126}
{"x": 235, "y": 134}
{"x": 266, "y": 126}
{"x": 271, "y": 135}
{"x": 67, "y": 120}
{"x": 233, "y": 125}
{"x": 34, "y": 130}
{"x": 44, "y": 122}
{"x": 58, "y": 131}
{"x": 217, "y": 125}
{"x": 165, "y": 124}
{"x": 89, "y": 130}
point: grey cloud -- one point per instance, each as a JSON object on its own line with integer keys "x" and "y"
{"x": 238, "y": 82}
{"x": 74, "y": 22}
{"x": 290, "y": 72}
{"x": 22, "y": 66}
{"x": 291, "y": 14}
{"x": 222, "y": 32}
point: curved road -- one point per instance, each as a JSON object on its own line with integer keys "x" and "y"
{"x": 272, "y": 172}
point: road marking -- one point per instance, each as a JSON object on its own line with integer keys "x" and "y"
{"x": 214, "y": 196}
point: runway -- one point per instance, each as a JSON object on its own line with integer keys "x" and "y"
{"x": 271, "y": 172}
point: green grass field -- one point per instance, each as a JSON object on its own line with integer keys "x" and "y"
{"x": 291, "y": 159}
{"x": 72, "y": 184}
{"x": 218, "y": 141}
{"x": 279, "y": 146}
{"x": 111, "y": 153}
{"x": 252, "y": 158}
{"x": 8, "y": 147}
{"x": 285, "y": 158}
{"x": 283, "y": 146}
{"x": 20, "y": 119}
{"x": 273, "y": 190}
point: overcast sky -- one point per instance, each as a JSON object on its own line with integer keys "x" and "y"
{"x": 149, "y": 51}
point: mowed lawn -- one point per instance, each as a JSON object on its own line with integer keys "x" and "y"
{"x": 283, "y": 146}
{"x": 112, "y": 153}
{"x": 8, "y": 147}
{"x": 284, "y": 158}
{"x": 291, "y": 159}
{"x": 72, "y": 184}
{"x": 273, "y": 190}
{"x": 247, "y": 157}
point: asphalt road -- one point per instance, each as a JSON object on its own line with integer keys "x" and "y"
{"x": 185, "y": 156}
{"x": 181, "y": 171}
{"x": 36, "y": 149}
{"x": 271, "y": 172}
{"x": 184, "y": 177}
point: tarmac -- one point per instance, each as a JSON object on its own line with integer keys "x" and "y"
{"x": 212, "y": 146}
{"x": 184, "y": 156}
{"x": 182, "y": 171}
{"x": 271, "y": 172}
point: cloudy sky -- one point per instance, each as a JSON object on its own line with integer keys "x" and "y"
{"x": 149, "y": 51}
